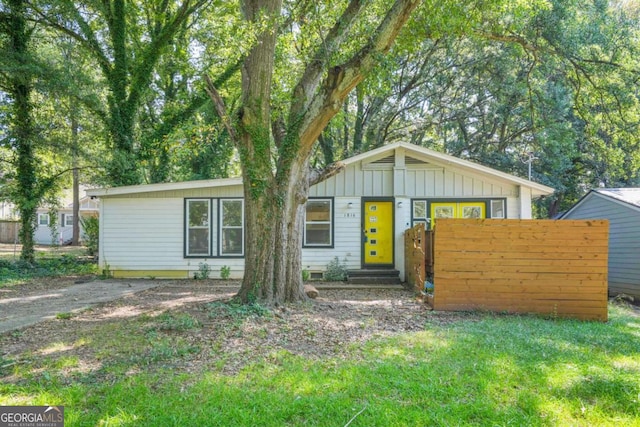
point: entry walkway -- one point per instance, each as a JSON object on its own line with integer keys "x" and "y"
{"x": 27, "y": 310}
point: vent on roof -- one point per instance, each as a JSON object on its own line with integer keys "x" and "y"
{"x": 386, "y": 161}
{"x": 413, "y": 161}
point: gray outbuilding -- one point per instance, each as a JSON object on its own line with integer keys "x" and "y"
{"x": 621, "y": 206}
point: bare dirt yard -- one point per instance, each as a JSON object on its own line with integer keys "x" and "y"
{"x": 196, "y": 323}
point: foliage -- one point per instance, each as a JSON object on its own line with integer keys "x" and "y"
{"x": 545, "y": 79}
{"x": 225, "y": 272}
{"x": 16, "y": 272}
{"x": 335, "y": 271}
{"x": 236, "y": 310}
{"x": 91, "y": 227}
{"x": 306, "y": 275}
{"x": 175, "y": 322}
{"x": 482, "y": 369}
{"x": 204, "y": 270}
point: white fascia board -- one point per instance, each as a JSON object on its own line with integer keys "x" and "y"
{"x": 168, "y": 186}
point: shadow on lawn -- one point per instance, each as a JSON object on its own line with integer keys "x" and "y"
{"x": 471, "y": 369}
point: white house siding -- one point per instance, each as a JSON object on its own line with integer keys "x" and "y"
{"x": 624, "y": 240}
{"x": 346, "y": 234}
{"x": 402, "y": 223}
{"x": 42, "y": 235}
{"x": 148, "y": 236}
{"x": 142, "y": 228}
{"x": 430, "y": 183}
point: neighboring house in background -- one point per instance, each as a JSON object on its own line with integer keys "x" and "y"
{"x": 621, "y": 206}
{"x": 358, "y": 216}
{"x": 8, "y": 211}
{"x": 62, "y": 233}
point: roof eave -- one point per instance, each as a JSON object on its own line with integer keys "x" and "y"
{"x": 169, "y": 186}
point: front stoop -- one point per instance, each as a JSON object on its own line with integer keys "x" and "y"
{"x": 374, "y": 277}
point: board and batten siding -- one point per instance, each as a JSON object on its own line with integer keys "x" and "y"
{"x": 624, "y": 240}
{"x": 430, "y": 182}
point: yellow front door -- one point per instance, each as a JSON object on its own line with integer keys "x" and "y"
{"x": 378, "y": 233}
{"x": 457, "y": 210}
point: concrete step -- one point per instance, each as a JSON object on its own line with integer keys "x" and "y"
{"x": 374, "y": 280}
{"x": 380, "y": 272}
{"x": 374, "y": 277}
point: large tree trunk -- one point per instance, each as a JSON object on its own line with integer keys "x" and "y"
{"x": 276, "y": 168}
{"x": 75, "y": 241}
{"x": 26, "y": 196}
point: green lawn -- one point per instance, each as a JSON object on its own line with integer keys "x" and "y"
{"x": 477, "y": 369}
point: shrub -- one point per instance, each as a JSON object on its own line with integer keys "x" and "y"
{"x": 225, "y": 272}
{"x": 336, "y": 271}
{"x": 91, "y": 227}
{"x": 203, "y": 271}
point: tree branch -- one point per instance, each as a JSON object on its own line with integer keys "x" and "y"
{"x": 218, "y": 103}
{"x": 307, "y": 86}
{"x": 343, "y": 78}
{"x": 148, "y": 59}
{"x": 316, "y": 175}
{"x": 87, "y": 38}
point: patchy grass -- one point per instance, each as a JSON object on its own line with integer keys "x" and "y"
{"x": 48, "y": 264}
{"x": 473, "y": 369}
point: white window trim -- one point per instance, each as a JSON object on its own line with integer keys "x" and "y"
{"x": 504, "y": 208}
{"x": 330, "y": 222}
{"x": 47, "y": 222}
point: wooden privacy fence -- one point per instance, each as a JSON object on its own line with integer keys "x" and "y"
{"x": 551, "y": 267}
{"x": 9, "y": 231}
{"x": 418, "y": 260}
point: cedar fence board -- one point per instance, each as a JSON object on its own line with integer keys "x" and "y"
{"x": 556, "y": 268}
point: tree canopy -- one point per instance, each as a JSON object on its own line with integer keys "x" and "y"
{"x": 295, "y": 86}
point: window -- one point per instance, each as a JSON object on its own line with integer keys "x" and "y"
{"x": 43, "y": 219}
{"x": 231, "y": 227}
{"x": 419, "y": 212}
{"x": 198, "y": 227}
{"x": 497, "y": 209}
{"x": 68, "y": 221}
{"x": 428, "y": 211}
{"x": 318, "y": 227}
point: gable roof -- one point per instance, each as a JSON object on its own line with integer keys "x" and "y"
{"x": 629, "y": 197}
{"x": 447, "y": 159}
{"x": 414, "y": 154}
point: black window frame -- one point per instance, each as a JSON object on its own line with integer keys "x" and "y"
{"x": 220, "y": 227}
{"x": 487, "y": 201}
{"x": 332, "y": 222}
{"x": 214, "y": 228}
{"x": 186, "y": 227}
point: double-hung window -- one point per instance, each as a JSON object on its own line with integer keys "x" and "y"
{"x": 214, "y": 228}
{"x": 231, "y": 227}
{"x": 318, "y": 223}
{"x": 198, "y": 232}
{"x": 43, "y": 219}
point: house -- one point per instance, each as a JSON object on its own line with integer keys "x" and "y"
{"x": 621, "y": 206}
{"x": 8, "y": 211}
{"x": 358, "y": 215}
{"x": 46, "y": 233}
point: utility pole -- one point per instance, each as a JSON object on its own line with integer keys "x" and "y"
{"x": 530, "y": 157}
